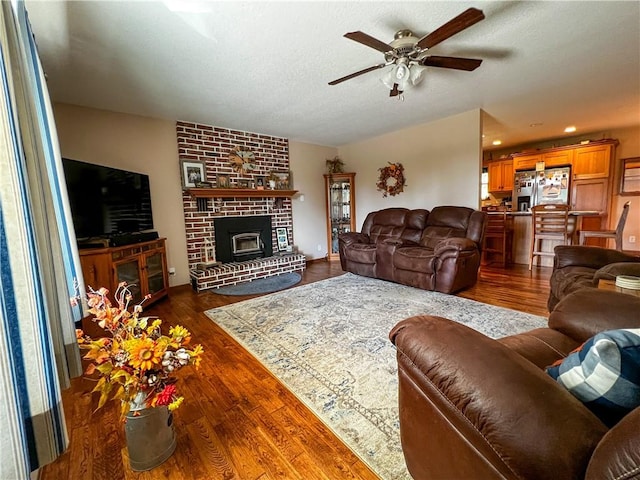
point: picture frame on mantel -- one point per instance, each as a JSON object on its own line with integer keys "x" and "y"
{"x": 192, "y": 172}
{"x": 223, "y": 181}
{"x": 283, "y": 180}
{"x": 261, "y": 182}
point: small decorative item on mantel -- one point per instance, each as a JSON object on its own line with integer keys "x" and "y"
{"x": 391, "y": 180}
{"x": 282, "y": 180}
{"x": 272, "y": 180}
{"x": 242, "y": 160}
{"x": 261, "y": 181}
{"x": 135, "y": 365}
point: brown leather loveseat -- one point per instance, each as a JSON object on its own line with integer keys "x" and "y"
{"x": 433, "y": 250}
{"x": 476, "y": 408}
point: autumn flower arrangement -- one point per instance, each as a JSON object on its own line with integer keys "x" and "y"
{"x": 136, "y": 363}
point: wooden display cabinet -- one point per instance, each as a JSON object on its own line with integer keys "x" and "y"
{"x": 142, "y": 265}
{"x": 340, "y": 202}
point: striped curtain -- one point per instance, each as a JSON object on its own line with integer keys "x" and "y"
{"x": 39, "y": 261}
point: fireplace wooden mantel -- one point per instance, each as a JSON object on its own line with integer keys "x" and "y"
{"x": 239, "y": 192}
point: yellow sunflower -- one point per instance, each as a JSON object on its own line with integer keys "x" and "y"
{"x": 144, "y": 353}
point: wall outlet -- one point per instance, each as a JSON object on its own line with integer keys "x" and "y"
{"x": 172, "y": 271}
{"x": 632, "y": 239}
{"x": 319, "y": 247}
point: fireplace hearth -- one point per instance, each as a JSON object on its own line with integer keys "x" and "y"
{"x": 239, "y": 239}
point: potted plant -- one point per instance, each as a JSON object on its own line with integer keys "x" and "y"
{"x": 135, "y": 364}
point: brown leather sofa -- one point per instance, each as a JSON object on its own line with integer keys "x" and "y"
{"x": 577, "y": 267}
{"x": 476, "y": 408}
{"x": 433, "y": 250}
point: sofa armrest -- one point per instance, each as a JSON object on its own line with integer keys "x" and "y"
{"x": 472, "y": 408}
{"x": 585, "y": 312}
{"x": 585, "y": 256}
{"x": 353, "y": 237}
{"x": 612, "y": 270}
{"x": 618, "y": 454}
{"x": 453, "y": 245}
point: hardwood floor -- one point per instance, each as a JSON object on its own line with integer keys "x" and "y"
{"x": 238, "y": 421}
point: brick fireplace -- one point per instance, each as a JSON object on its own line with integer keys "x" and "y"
{"x": 212, "y": 145}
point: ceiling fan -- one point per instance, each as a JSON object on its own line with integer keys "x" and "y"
{"x": 408, "y": 54}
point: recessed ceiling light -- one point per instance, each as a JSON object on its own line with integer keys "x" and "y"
{"x": 570, "y": 129}
{"x": 497, "y": 142}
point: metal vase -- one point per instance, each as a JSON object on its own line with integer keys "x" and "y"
{"x": 150, "y": 437}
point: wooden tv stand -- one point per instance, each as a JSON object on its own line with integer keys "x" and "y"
{"x": 142, "y": 265}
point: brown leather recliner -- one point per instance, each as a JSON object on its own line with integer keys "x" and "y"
{"x": 576, "y": 267}
{"x": 476, "y": 408}
{"x": 433, "y": 250}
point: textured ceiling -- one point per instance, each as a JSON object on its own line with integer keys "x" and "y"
{"x": 264, "y": 66}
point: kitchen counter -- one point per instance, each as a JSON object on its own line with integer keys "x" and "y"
{"x": 522, "y": 234}
{"x": 576, "y": 213}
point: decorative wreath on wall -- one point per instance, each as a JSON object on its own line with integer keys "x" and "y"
{"x": 391, "y": 180}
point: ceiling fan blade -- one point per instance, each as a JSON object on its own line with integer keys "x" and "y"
{"x": 467, "y": 18}
{"x": 356, "y": 74}
{"x": 457, "y": 63}
{"x": 369, "y": 41}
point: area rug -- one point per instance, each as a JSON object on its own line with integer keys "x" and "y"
{"x": 261, "y": 285}
{"x": 328, "y": 343}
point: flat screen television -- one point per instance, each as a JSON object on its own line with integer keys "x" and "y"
{"x": 107, "y": 201}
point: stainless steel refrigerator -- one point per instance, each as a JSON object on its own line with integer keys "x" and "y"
{"x": 547, "y": 186}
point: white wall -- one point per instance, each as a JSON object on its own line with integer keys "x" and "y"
{"x": 307, "y": 164}
{"x": 441, "y": 160}
{"x": 442, "y": 163}
{"x": 140, "y": 144}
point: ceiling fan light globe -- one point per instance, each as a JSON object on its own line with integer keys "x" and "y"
{"x": 402, "y": 72}
{"x": 417, "y": 74}
{"x": 389, "y": 78}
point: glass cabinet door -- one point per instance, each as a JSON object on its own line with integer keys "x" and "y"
{"x": 340, "y": 208}
{"x": 129, "y": 271}
{"x": 155, "y": 273}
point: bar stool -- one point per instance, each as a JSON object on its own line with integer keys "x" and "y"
{"x": 615, "y": 234}
{"x": 549, "y": 222}
{"x": 498, "y": 235}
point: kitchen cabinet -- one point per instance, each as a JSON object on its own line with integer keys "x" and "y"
{"x": 592, "y": 185}
{"x": 142, "y": 265}
{"x": 526, "y": 162}
{"x": 592, "y": 162}
{"x": 341, "y": 209}
{"x": 558, "y": 158}
{"x": 589, "y": 195}
{"x": 501, "y": 176}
